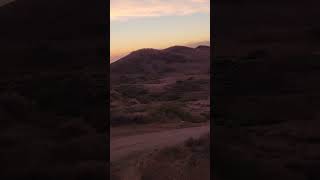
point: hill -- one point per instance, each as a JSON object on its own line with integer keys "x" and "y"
{"x": 162, "y": 63}
{"x": 169, "y": 82}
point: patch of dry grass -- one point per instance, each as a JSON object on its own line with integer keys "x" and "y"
{"x": 188, "y": 161}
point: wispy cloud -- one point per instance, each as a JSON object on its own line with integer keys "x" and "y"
{"x": 196, "y": 44}
{"x": 122, "y": 10}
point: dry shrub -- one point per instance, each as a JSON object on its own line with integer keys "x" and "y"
{"x": 120, "y": 118}
{"x": 169, "y": 112}
{"x": 179, "y": 162}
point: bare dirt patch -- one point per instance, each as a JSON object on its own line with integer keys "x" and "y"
{"x": 190, "y": 160}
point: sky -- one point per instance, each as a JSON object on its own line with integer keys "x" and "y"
{"x": 158, "y": 24}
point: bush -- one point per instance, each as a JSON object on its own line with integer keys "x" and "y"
{"x": 172, "y": 153}
{"x": 170, "y": 112}
{"x": 199, "y": 145}
{"x": 135, "y": 92}
{"x": 131, "y": 91}
{"x": 125, "y": 119}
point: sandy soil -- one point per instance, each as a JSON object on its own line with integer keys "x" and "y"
{"x": 122, "y": 147}
{"x": 136, "y": 129}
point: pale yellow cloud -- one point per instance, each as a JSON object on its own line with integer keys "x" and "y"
{"x": 122, "y": 10}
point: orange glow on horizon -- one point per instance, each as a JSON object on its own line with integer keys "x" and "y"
{"x": 157, "y": 24}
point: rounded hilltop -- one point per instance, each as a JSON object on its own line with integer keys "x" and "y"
{"x": 178, "y": 48}
{"x": 145, "y": 51}
{"x": 203, "y": 47}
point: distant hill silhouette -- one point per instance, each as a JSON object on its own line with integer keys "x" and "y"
{"x": 176, "y": 59}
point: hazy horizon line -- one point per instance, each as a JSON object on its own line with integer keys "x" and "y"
{"x": 192, "y": 45}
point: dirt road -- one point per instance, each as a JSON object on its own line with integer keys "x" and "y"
{"x": 124, "y": 146}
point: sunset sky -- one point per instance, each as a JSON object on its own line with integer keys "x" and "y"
{"x": 137, "y": 24}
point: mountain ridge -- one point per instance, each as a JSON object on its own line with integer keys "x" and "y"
{"x": 171, "y": 49}
{"x": 161, "y": 62}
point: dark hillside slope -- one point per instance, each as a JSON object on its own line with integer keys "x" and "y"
{"x": 159, "y": 86}
{"x": 159, "y": 63}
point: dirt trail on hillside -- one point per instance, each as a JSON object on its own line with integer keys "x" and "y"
{"x": 124, "y": 146}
